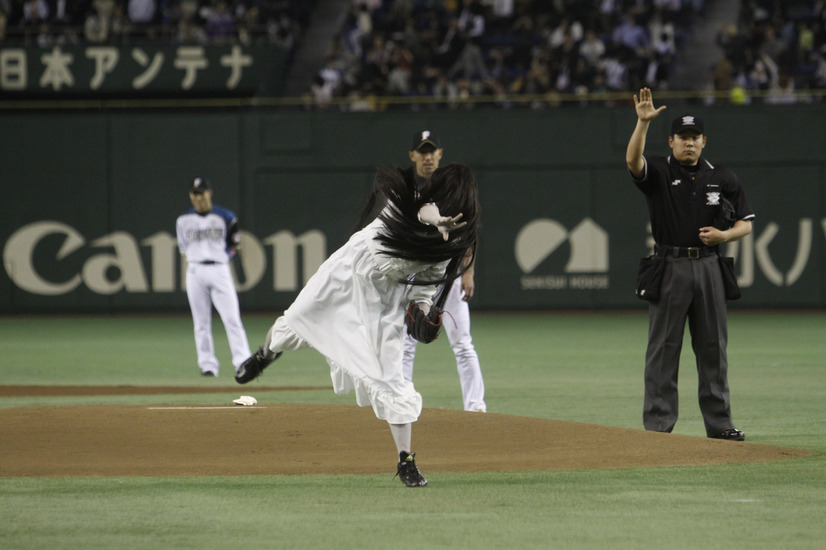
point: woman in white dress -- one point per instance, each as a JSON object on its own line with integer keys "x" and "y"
{"x": 352, "y": 309}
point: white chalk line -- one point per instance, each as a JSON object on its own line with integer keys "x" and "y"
{"x": 218, "y": 408}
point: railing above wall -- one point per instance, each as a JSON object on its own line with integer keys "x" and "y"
{"x": 400, "y": 103}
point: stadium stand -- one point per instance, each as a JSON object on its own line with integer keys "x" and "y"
{"x": 775, "y": 47}
{"x": 46, "y": 23}
{"x": 365, "y": 53}
{"x": 454, "y": 50}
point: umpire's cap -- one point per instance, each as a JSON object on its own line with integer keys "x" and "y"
{"x": 425, "y": 137}
{"x": 199, "y": 185}
{"x": 687, "y": 123}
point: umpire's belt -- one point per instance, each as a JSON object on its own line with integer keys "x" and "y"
{"x": 691, "y": 252}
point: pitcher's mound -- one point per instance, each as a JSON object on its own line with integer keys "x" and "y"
{"x": 115, "y": 440}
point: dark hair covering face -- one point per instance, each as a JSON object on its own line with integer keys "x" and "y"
{"x": 453, "y": 189}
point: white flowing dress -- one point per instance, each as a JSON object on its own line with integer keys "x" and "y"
{"x": 352, "y": 311}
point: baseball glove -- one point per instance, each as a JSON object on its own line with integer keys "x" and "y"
{"x": 424, "y": 328}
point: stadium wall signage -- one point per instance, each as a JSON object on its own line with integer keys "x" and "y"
{"x": 67, "y": 71}
{"x": 90, "y": 200}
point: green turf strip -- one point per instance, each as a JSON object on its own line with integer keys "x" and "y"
{"x": 582, "y": 367}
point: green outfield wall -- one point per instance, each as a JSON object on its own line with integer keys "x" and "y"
{"x": 90, "y": 199}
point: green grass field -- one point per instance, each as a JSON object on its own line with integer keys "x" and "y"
{"x": 584, "y": 367}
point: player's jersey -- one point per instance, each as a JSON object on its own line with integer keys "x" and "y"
{"x": 207, "y": 237}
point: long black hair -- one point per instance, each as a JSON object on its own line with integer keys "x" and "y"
{"x": 453, "y": 189}
{"x": 377, "y": 200}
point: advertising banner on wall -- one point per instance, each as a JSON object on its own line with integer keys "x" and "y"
{"x": 88, "y": 220}
{"x": 559, "y": 258}
{"x": 106, "y": 71}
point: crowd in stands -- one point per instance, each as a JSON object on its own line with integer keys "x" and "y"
{"x": 455, "y": 50}
{"x": 46, "y": 23}
{"x": 452, "y": 51}
{"x": 776, "y": 48}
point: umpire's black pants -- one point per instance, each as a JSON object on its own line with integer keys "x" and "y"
{"x": 692, "y": 289}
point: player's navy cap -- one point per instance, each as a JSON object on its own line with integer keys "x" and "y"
{"x": 423, "y": 137}
{"x": 687, "y": 123}
{"x": 199, "y": 185}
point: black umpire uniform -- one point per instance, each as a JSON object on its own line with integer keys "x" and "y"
{"x": 681, "y": 200}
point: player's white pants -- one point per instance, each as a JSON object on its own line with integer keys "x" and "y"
{"x": 457, "y": 327}
{"x": 208, "y": 285}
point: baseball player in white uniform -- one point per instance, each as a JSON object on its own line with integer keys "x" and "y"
{"x": 425, "y": 153}
{"x": 208, "y": 238}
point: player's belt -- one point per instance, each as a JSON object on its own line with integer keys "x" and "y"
{"x": 691, "y": 252}
{"x": 207, "y": 262}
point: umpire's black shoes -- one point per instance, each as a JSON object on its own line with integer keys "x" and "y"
{"x": 253, "y": 366}
{"x": 732, "y": 434}
{"x": 408, "y": 472}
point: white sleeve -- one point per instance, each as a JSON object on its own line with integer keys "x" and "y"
{"x": 179, "y": 230}
{"x": 425, "y": 293}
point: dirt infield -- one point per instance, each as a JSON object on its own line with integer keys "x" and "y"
{"x": 268, "y": 438}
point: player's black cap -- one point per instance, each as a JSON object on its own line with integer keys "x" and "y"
{"x": 199, "y": 185}
{"x": 425, "y": 137}
{"x": 687, "y": 123}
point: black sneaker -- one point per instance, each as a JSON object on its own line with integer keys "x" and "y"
{"x": 408, "y": 472}
{"x": 732, "y": 434}
{"x": 253, "y": 366}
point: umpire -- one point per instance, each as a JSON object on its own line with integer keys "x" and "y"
{"x": 684, "y": 192}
